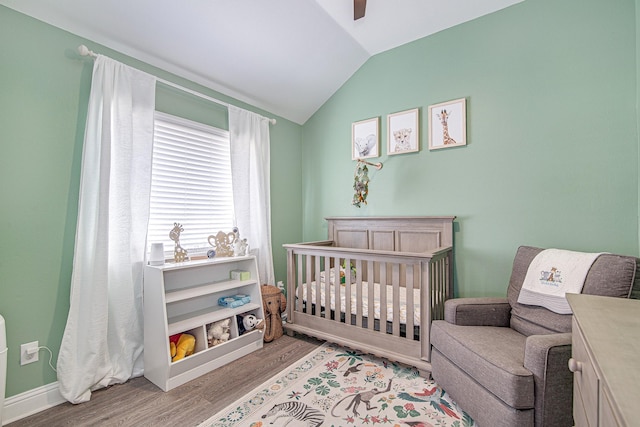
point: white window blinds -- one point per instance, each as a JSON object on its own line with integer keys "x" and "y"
{"x": 190, "y": 183}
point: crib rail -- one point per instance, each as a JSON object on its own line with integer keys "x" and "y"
{"x": 331, "y": 293}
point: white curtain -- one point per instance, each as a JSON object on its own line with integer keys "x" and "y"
{"x": 103, "y": 339}
{"x": 250, "y": 175}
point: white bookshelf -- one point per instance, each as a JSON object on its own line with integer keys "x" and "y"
{"x": 183, "y": 298}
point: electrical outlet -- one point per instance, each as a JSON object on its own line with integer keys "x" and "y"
{"x": 29, "y": 353}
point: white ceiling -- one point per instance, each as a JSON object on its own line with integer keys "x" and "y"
{"x": 284, "y": 56}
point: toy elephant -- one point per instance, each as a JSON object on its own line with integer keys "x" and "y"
{"x": 274, "y": 303}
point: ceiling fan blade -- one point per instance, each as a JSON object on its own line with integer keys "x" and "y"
{"x": 359, "y": 7}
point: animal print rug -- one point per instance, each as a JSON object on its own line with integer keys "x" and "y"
{"x": 335, "y": 387}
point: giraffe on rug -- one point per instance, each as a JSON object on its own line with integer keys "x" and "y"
{"x": 444, "y": 116}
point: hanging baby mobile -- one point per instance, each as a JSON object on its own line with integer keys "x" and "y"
{"x": 361, "y": 182}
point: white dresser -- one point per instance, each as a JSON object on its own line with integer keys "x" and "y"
{"x": 606, "y": 361}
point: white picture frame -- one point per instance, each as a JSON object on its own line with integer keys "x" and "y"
{"x": 448, "y": 124}
{"x": 365, "y": 139}
{"x": 403, "y": 133}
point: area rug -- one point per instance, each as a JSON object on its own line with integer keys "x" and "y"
{"x": 335, "y": 387}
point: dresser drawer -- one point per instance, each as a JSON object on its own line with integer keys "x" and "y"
{"x": 585, "y": 380}
{"x": 607, "y": 414}
{"x": 579, "y": 414}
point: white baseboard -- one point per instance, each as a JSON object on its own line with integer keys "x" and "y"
{"x": 30, "y": 402}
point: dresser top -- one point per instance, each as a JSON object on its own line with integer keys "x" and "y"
{"x": 611, "y": 328}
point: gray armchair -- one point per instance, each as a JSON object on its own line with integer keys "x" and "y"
{"x": 505, "y": 363}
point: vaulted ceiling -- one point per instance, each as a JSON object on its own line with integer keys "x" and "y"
{"x": 284, "y": 56}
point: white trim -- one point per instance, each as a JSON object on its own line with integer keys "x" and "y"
{"x": 30, "y": 402}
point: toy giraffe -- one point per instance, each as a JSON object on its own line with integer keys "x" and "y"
{"x": 179, "y": 253}
{"x": 444, "y": 116}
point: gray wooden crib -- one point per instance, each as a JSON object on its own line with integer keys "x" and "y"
{"x": 375, "y": 285}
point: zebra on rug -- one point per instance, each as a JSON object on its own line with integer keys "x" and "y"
{"x": 295, "y": 410}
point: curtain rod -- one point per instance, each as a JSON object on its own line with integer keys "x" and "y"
{"x": 84, "y": 51}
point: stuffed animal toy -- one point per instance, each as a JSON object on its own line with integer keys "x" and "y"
{"x": 248, "y": 323}
{"x": 219, "y": 332}
{"x": 274, "y": 303}
{"x": 181, "y": 346}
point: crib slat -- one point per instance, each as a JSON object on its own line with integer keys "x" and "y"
{"x": 444, "y": 287}
{"x": 426, "y": 310}
{"x": 436, "y": 283}
{"x": 299, "y": 282}
{"x": 316, "y": 278}
{"x": 433, "y": 280}
{"x": 326, "y": 285}
{"x": 338, "y": 289}
{"x": 383, "y": 296}
{"x": 410, "y": 302}
{"x": 371, "y": 297}
{"x": 441, "y": 287}
{"x": 291, "y": 279}
{"x": 347, "y": 293}
{"x": 307, "y": 283}
{"x": 396, "y": 299}
{"x": 439, "y": 280}
{"x": 358, "y": 291}
{"x": 447, "y": 283}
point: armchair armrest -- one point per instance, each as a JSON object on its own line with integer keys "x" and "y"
{"x": 547, "y": 356}
{"x": 477, "y": 311}
{"x": 538, "y": 347}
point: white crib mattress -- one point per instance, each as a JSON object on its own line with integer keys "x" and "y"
{"x": 365, "y": 300}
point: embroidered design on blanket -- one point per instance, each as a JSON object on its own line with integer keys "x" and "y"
{"x": 551, "y": 277}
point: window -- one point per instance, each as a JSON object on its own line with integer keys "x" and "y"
{"x": 190, "y": 183}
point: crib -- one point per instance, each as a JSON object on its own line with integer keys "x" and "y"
{"x": 375, "y": 285}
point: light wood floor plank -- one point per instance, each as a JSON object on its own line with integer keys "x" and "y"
{"x": 140, "y": 403}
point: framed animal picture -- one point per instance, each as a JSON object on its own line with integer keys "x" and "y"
{"x": 448, "y": 124}
{"x": 403, "y": 133}
{"x": 365, "y": 139}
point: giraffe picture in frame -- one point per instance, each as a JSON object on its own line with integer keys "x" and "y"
{"x": 448, "y": 124}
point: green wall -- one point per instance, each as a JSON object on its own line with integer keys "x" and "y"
{"x": 44, "y": 91}
{"x": 552, "y": 154}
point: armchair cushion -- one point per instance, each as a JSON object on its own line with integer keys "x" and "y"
{"x": 493, "y": 356}
{"x": 610, "y": 275}
{"x": 477, "y": 311}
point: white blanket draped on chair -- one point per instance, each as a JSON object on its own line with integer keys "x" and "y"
{"x": 552, "y": 274}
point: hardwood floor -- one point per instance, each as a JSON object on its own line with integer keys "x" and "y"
{"x": 140, "y": 403}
